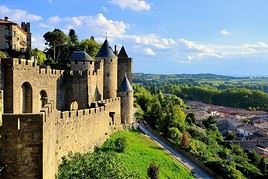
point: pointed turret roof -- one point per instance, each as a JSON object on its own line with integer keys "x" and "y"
{"x": 106, "y": 50}
{"x": 81, "y": 56}
{"x": 125, "y": 85}
{"x": 123, "y": 53}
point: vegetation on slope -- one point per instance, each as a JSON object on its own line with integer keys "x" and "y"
{"x": 125, "y": 155}
{"x": 203, "y": 141}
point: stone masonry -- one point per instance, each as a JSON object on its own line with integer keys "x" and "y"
{"x": 47, "y": 113}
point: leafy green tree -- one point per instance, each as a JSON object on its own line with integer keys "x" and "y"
{"x": 90, "y": 46}
{"x": 230, "y": 135}
{"x": 254, "y": 158}
{"x": 175, "y": 135}
{"x": 97, "y": 165}
{"x": 190, "y": 118}
{"x": 57, "y": 45}
{"x": 210, "y": 123}
{"x": 38, "y": 55}
{"x": 73, "y": 37}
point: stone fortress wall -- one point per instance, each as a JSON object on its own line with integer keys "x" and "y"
{"x": 48, "y": 112}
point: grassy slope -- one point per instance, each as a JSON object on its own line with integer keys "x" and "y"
{"x": 141, "y": 151}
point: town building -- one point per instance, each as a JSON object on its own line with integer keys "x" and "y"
{"x": 14, "y": 39}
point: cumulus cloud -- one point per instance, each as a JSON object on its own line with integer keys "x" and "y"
{"x": 54, "y": 20}
{"x": 136, "y": 5}
{"x": 197, "y": 49}
{"x": 96, "y": 25}
{"x": 188, "y": 50}
{"x": 38, "y": 42}
{"x": 224, "y": 32}
{"x": 149, "y": 51}
{"x": 18, "y": 15}
{"x": 152, "y": 40}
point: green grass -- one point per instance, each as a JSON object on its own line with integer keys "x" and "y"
{"x": 141, "y": 151}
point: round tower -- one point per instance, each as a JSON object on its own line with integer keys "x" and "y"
{"x": 126, "y": 94}
{"x": 81, "y": 61}
{"x": 110, "y": 70}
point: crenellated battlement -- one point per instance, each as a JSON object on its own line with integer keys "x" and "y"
{"x": 23, "y": 62}
{"x": 49, "y": 71}
{"x": 66, "y": 116}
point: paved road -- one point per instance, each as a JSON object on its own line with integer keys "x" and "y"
{"x": 198, "y": 172}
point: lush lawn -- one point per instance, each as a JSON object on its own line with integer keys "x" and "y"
{"x": 141, "y": 151}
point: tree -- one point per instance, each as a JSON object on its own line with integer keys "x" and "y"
{"x": 230, "y": 135}
{"x": 38, "y": 55}
{"x": 210, "y": 123}
{"x": 185, "y": 140}
{"x": 56, "y": 41}
{"x": 175, "y": 135}
{"x": 190, "y": 118}
{"x": 90, "y": 46}
{"x": 73, "y": 37}
{"x": 153, "y": 171}
{"x": 3, "y": 54}
{"x": 97, "y": 165}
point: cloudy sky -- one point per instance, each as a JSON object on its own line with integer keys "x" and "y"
{"x": 165, "y": 36}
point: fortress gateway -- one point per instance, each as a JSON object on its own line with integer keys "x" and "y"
{"x": 48, "y": 113}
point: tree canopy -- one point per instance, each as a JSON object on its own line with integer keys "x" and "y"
{"x": 60, "y": 46}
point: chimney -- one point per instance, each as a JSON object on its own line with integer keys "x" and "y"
{"x": 6, "y": 18}
{"x": 115, "y": 50}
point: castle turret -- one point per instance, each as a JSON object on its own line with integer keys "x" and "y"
{"x": 124, "y": 66}
{"x": 81, "y": 61}
{"x": 110, "y": 70}
{"x": 126, "y": 94}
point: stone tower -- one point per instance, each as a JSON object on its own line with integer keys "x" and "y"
{"x": 126, "y": 94}
{"x": 27, "y": 28}
{"x": 81, "y": 61}
{"x": 124, "y": 66}
{"x": 110, "y": 70}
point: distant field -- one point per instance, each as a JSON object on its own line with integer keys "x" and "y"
{"x": 141, "y": 151}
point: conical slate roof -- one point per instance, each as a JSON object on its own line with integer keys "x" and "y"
{"x": 106, "y": 50}
{"x": 81, "y": 56}
{"x": 123, "y": 53}
{"x": 125, "y": 85}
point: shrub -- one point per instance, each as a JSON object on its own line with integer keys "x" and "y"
{"x": 96, "y": 165}
{"x": 121, "y": 144}
{"x": 153, "y": 171}
{"x": 185, "y": 140}
{"x": 175, "y": 135}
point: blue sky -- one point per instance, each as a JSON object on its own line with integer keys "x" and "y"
{"x": 227, "y": 37}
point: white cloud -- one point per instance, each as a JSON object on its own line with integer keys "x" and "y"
{"x": 43, "y": 25}
{"x": 152, "y": 40}
{"x": 18, "y": 15}
{"x": 91, "y": 25}
{"x": 136, "y": 5}
{"x": 149, "y": 51}
{"x": 38, "y": 42}
{"x": 197, "y": 49}
{"x": 224, "y": 32}
{"x": 54, "y": 20}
